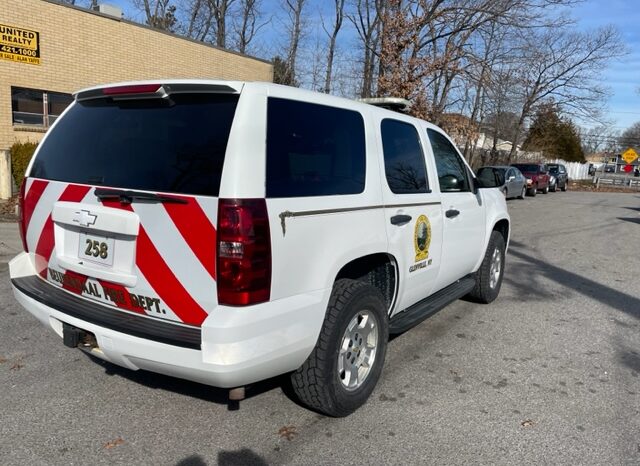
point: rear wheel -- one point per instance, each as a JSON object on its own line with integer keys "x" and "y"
{"x": 523, "y": 193}
{"x": 344, "y": 367}
{"x": 489, "y": 275}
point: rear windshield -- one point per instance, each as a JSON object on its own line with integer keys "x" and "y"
{"x": 174, "y": 145}
{"x": 527, "y": 167}
{"x": 553, "y": 168}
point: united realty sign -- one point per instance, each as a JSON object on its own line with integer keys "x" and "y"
{"x": 19, "y": 44}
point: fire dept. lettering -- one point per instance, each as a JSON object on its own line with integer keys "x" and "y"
{"x": 75, "y": 283}
{"x": 118, "y": 296}
{"x": 146, "y": 303}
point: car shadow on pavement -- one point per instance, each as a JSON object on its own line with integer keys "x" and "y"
{"x": 187, "y": 387}
{"x": 630, "y": 359}
{"x": 623, "y": 302}
{"x": 227, "y": 458}
{"x": 630, "y": 219}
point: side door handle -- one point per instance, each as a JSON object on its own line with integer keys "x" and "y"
{"x": 400, "y": 219}
{"x": 451, "y": 213}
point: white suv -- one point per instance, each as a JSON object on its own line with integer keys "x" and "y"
{"x": 228, "y": 232}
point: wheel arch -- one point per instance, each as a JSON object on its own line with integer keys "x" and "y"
{"x": 503, "y": 227}
{"x": 379, "y": 270}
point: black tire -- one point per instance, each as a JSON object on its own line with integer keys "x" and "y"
{"x": 317, "y": 383}
{"x": 565, "y": 186}
{"x": 545, "y": 190}
{"x": 523, "y": 193}
{"x": 483, "y": 291}
{"x": 533, "y": 191}
{"x": 554, "y": 188}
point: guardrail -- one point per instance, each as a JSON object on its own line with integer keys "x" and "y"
{"x": 621, "y": 181}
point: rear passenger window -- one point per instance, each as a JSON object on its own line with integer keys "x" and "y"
{"x": 313, "y": 150}
{"x": 403, "y": 158}
{"x": 448, "y": 163}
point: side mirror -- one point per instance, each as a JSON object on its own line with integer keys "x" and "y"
{"x": 450, "y": 183}
{"x": 511, "y": 178}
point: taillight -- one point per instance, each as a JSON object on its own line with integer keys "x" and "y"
{"x": 21, "y": 220}
{"x": 244, "y": 252}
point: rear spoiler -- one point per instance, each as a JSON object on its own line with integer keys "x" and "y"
{"x": 152, "y": 91}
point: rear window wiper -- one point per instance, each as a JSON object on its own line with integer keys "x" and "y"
{"x": 127, "y": 196}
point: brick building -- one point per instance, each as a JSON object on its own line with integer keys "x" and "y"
{"x": 49, "y": 50}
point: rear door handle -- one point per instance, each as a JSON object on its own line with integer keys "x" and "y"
{"x": 451, "y": 213}
{"x": 400, "y": 219}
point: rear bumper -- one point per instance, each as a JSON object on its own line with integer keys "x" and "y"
{"x": 234, "y": 346}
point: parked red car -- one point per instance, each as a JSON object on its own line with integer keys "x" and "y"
{"x": 537, "y": 176}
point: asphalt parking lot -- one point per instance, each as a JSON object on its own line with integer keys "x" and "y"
{"x": 549, "y": 373}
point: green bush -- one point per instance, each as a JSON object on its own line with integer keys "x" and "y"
{"x": 21, "y": 153}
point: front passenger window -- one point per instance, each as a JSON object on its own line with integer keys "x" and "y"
{"x": 452, "y": 173}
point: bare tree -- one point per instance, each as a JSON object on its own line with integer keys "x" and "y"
{"x": 562, "y": 67}
{"x": 333, "y": 35}
{"x": 367, "y": 20}
{"x": 293, "y": 9}
{"x": 160, "y": 14}
{"x": 247, "y": 23}
{"x": 630, "y": 137}
{"x": 220, "y": 10}
{"x": 598, "y": 138}
{"x": 199, "y": 20}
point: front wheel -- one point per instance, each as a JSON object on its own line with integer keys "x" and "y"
{"x": 554, "y": 187}
{"x": 545, "y": 190}
{"x": 489, "y": 275}
{"x": 345, "y": 365}
{"x": 565, "y": 187}
{"x": 533, "y": 191}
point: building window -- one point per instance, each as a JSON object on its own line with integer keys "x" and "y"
{"x": 31, "y": 107}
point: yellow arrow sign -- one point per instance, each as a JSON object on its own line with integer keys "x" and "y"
{"x": 629, "y": 155}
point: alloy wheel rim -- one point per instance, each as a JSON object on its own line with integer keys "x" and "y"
{"x": 494, "y": 270}
{"x": 358, "y": 350}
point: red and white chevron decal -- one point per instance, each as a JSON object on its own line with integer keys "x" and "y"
{"x": 175, "y": 253}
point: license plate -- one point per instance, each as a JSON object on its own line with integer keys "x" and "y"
{"x": 96, "y": 248}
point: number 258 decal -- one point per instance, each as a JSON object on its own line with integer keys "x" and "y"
{"x": 96, "y": 248}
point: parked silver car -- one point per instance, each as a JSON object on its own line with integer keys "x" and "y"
{"x": 514, "y": 185}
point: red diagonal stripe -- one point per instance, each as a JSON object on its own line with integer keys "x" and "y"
{"x": 161, "y": 278}
{"x": 31, "y": 200}
{"x": 195, "y": 227}
{"x": 72, "y": 193}
{"x": 165, "y": 283}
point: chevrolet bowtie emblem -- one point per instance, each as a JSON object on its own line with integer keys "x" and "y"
{"x": 85, "y": 218}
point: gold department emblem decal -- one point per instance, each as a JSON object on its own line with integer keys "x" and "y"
{"x": 422, "y": 238}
